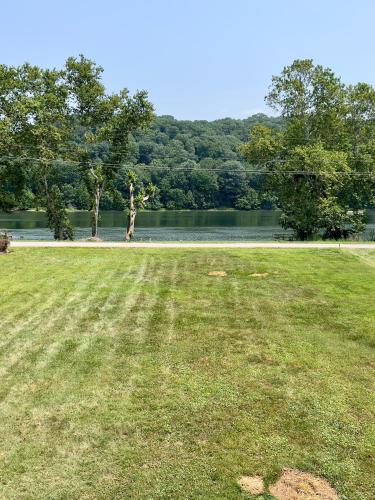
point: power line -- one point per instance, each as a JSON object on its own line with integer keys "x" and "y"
{"x": 30, "y": 158}
{"x": 192, "y": 168}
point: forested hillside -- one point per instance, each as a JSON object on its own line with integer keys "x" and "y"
{"x": 66, "y": 142}
{"x": 193, "y": 164}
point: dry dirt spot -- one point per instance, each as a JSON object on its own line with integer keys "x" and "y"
{"x": 296, "y": 485}
{"x": 259, "y": 275}
{"x": 217, "y": 273}
{"x": 252, "y": 484}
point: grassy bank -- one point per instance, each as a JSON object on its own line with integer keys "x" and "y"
{"x": 136, "y": 375}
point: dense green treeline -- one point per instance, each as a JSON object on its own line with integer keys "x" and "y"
{"x": 65, "y": 142}
{"x": 193, "y": 164}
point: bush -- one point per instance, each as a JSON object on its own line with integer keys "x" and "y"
{"x": 248, "y": 201}
{"x": 4, "y": 242}
{"x": 177, "y": 199}
{"x": 57, "y": 218}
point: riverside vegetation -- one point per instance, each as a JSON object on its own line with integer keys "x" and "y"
{"x": 65, "y": 141}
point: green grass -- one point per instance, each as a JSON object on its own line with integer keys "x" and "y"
{"x": 134, "y": 374}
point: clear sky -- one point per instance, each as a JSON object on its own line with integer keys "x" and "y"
{"x": 199, "y": 59}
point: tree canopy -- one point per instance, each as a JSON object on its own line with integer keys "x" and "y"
{"x": 65, "y": 142}
{"x": 323, "y": 160}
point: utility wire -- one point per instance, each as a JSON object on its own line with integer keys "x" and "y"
{"x": 30, "y": 158}
{"x": 190, "y": 169}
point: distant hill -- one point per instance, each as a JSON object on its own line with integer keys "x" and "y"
{"x": 194, "y": 164}
{"x": 196, "y": 140}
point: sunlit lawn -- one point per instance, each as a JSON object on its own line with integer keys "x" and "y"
{"x": 134, "y": 374}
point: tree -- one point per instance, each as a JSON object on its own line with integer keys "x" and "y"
{"x": 233, "y": 182}
{"x": 264, "y": 145}
{"x": 312, "y": 100}
{"x": 106, "y": 122}
{"x": 47, "y": 132}
{"x": 13, "y": 176}
{"x": 34, "y": 111}
{"x": 338, "y": 221}
{"x": 249, "y": 200}
{"x": 307, "y": 184}
{"x": 13, "y": 173}
{"x": 360, "y": 119}
{"x": 204, "y": 185}
{"x": 57, "y": 218}
{"x": 360, "y": 122}
{"x": 135, "y": 202}
{"x": 315, "y": 158}
{"x": 96, "y": 179}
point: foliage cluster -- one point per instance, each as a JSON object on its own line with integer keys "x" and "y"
{"x": 323, "y": 160}
{"x": 192, "y": 164}
{"x": 64, "y": 114}
{"x": 80, "y": 146}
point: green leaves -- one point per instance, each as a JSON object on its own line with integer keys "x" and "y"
{"x": 131, "y": 178}
{"x": 57, "y": 218}
{"x": 322, "y": 163}
{"x": 44, "y": 111}
{"x": 264, "y": 144}
{"x": 312, "y": 99}
{"x": 311, "y": 178}
{"x": 83, "y": 79}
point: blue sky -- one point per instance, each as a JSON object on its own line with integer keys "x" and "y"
{"x": 202, "y": 59}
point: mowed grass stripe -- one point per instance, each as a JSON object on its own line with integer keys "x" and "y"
{"x": 39, "y": 336}
{"x": 169, "y": 383}
{"x": 93, "y": 301}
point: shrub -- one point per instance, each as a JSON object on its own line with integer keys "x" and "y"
{"x": 248, "y": 201}
{"x": 4, "y": 242}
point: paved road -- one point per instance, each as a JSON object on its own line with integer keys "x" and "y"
{"x": 117, "y": 244}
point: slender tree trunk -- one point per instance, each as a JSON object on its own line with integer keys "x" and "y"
{"x": 95, "y": 218}
{"x": 99, "y": 186}
{"x": 131, "y": 216}
{"x": 130, "y": 227}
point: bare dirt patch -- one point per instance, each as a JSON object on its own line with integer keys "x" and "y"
{"x": 252, "y": 484}
{"x": 217, "y": 273}
{"x": 296, "y": 485}
{"x": 259, "y": 275}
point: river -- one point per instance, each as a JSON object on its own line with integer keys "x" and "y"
{"x": 169, "y": 225}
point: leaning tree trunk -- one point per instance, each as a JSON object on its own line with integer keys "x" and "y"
{"x": 132, "y": 214}
{"x": 130, "y": 227}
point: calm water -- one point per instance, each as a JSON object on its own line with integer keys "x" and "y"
{"x": 189, "y": 225}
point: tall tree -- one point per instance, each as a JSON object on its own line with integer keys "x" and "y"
{"x": 106, "y": 122}
{"x": 308, "y": 186}
{"x": 38, "y": 113}
{"x": 312, "y": 100}
{"x": 313, "y": 158}
{"x": 13, "y": 173}
{"x": 360, "y": 122}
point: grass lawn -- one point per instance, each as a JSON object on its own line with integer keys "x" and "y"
{"x": 134, "y": 374}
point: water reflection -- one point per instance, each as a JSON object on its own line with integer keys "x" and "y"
{"x": 189, "y": 225}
